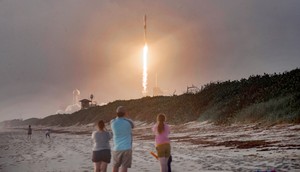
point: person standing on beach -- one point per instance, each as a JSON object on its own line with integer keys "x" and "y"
{"x": 48, "y": 133}
{"x": 29, "y": 132}
{"x": 122, "y": 139}
{"x": 101, "y": 149}
{"x": 162, "y": 142}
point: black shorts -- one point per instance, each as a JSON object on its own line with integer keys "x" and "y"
{"x": 102, "y": 155}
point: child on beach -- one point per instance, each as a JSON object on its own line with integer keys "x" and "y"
{"x": 162, "y": 142}
{"x": 48, "y": 133}
{"x": 101, "y": 149}
{"x": 29, "y": 132}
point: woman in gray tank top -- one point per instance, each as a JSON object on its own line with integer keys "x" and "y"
{"x": 101, "y": 148}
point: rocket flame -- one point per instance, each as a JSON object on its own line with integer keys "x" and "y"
{"x": 145, "y": 69}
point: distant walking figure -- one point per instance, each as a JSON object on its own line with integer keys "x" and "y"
{"x": 101, "y": 148}
{"x": 48, "y": 133}
{"x": 29, "y": 132}
{"x": 122, "y": 137}
{"x": 162, "y": 143}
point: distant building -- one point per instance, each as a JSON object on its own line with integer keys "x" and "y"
{"x": 85, "y": 103}
{"x": 192, "y": 90}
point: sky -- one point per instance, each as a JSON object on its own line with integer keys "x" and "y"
{"x": 50, "y": 48}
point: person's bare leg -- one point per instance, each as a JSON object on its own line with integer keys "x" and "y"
{"x": 163, "y": 164}
{"x": 166, "y": 162}
{"x": 103, "y": 166}
{"x": 115, "y": 169}
{"x": 123, "y": 169}
{"x": 97, "y": 166}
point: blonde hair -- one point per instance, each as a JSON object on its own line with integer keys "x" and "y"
{"x": 161, "y": 118}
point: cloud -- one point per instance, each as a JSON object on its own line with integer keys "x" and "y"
{"x": 70, "y": 109}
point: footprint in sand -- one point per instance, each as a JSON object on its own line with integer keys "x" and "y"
{"x": 27, "y": 157}
{"x": 60, "y": 160}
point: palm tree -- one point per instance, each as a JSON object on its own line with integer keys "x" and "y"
{"x": 91, "y": 97}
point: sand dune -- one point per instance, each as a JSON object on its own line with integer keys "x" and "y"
{"x": 195, "y": 147}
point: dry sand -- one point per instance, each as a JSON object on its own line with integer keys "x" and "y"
{"x": 195, "y": 147}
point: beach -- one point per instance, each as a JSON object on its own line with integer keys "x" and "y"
{"x": 195, "y": 147}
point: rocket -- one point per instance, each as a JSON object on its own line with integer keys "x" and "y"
{"x": 145, "y": 28}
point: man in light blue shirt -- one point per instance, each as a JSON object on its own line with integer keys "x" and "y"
{"x": 122, "y": 138}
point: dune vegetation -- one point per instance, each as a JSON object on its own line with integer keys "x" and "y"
{"x": 268, "y": 98}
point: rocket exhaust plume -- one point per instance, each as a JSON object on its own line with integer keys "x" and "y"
{"x": 145, "y": 69}
{"x": 145, "y": 60}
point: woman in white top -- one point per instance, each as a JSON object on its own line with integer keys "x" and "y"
{"x": 101, "y": 148}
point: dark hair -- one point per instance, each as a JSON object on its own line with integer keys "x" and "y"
{"x": 121, "y": 111}
{"x": 161, "y": 118}
{"x": 120, "y": 114}
{"x": 101, "y": 125}
{"x": 29, "y": 126}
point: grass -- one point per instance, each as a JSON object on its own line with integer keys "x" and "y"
{"x": 278, "y": 110}
{"x": 268, "y": 98}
